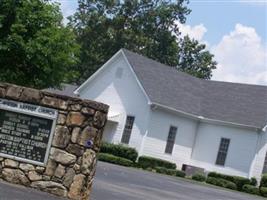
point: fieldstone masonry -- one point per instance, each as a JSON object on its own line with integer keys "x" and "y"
{"x": 70, "y": 168}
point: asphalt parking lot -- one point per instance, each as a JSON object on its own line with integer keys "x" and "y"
{"x": 114, "y": 182}
{"x": 16, "y": 192}
{"x": 120, "y": 183}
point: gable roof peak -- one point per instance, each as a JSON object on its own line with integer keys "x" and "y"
{"x": 244, "y": 104}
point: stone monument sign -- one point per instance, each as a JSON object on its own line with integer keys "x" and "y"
{"x": 26, "y": 131}
{"x": 49, "y": 141}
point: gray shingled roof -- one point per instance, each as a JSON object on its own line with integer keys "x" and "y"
{"x": 66, "y": 90}
{"x": 230, "y": 102}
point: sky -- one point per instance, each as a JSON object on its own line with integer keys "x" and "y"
{"x": 235, "y": 31}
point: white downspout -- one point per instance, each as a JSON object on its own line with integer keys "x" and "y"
{"x": 195, "y": 138}
{"x": 141, "y": 150}
{"x": 251, "y": 170}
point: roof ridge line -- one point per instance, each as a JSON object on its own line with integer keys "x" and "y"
{"x": 184, "y": 73}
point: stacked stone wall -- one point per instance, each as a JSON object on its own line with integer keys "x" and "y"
{"x": 71, "y": 164}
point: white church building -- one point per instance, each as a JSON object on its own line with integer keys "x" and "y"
{"x": 167, "y": 114}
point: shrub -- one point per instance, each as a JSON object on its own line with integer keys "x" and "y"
{"x": 149, "y": 169}
{"x": 199, "y": 177}
{"x": 221, "y": 183}
{"x": 230, "y": 185}
{"x": 263, "y": 182}
{"x": 163, "y": 170}
{"x": 160, "y": 170}
{"x": 146, "y": 161}
{"x": 214, "y": 181}
{"x": 250, "y": 189}
{"x": 120, "y": 151}
{"x": 180, "y": 173}
{"x": 238, "y": 180}
{"x": 114, "y": 159}
{"x": 253, "y": 181}
{"x": 263, "y": 191}
{"x": 223, "y": 176}
{"x": 171, "y": 172}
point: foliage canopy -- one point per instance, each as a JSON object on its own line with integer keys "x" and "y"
{"x": 148, "y": 27}
{"x": 36, "y": 50}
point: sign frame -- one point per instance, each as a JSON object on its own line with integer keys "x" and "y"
{"x": 51, "y": 114}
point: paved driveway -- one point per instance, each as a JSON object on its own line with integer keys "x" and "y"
{"x": 119, "y": 183}
{"x": 113, "y": 182}
{"x": 16, "y": 192}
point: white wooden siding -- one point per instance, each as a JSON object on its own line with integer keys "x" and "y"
{"x": 260, "y": 152}
{"x": 240, "y": 154}
{"x": 109, "y": 132}
{"x": 158, "y": 129}
{"x": 124, "y": 96}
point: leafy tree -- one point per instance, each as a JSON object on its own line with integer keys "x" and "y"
{"x": 194, "y": 59}
{"x": 144, "y": 26}
{"x": 36, "y": 50}
{"x": 148, "y": 27}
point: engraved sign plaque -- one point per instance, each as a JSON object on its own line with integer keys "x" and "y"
{"x": 26, "y": 131}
